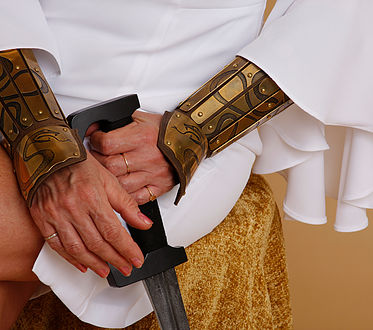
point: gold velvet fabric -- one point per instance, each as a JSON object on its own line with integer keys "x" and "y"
{"x": 236, "y": 277}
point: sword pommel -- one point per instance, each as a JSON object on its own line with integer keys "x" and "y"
{"x": 109, "y": 115}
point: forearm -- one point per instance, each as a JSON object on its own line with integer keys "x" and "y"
{"x": 36, "y": 134}
{"x": 234, "y": 102}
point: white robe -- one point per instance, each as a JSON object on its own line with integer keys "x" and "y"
{"x": 316, "y": 50}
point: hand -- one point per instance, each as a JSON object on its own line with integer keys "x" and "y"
{"x": 77, "y": 202}
{"x": 145, "y": 167}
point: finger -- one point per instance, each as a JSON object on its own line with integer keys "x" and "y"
{"x": 47, "y": 230}
{"x": 143, "y": 195}
{"x": 124, "y": 139}
{"x": 94, "y": 127}
{"x": 134, "y": 181}
{"x": 76, "y": 249}
{"x": 114, "y": 163}
{"x": 113, "y": 142}
{"x": 123, "y": 203}
{"x": 112, "y": 231}
{"x": 95, "y": 243}
{"x": 56, "y": 245}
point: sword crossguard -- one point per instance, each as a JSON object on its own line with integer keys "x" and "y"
{"x": 158, "y": 255}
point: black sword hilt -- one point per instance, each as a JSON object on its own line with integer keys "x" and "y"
{"x": 159, "y": 256}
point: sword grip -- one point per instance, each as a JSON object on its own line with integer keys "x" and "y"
{"x": 159, "y": 256}
{"x": 153, "y": 238}
{"x": 110, "y": 116}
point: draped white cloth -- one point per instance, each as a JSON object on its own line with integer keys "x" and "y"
{"x": 316, "y": 50}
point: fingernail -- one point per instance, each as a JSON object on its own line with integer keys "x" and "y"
{"x": 136, "y": 262}
{"x": 82, "y": 268}
{"x": 103, "y": 273}
{"x": 125, "y": 270}
{"x": 144, "y": 218}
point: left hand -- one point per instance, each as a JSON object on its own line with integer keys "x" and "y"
{"x": 146, "y": 165}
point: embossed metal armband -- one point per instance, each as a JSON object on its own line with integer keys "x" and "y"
{"x": 35, "y": 132}
{"x": 234, "y": 102}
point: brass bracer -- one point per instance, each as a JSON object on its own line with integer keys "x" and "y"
{"x": 234, "y": 102}
{"x": 35, "y": 132}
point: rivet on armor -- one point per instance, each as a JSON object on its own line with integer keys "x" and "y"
{"x": 10, "y": 131}
{"x": 56, "y": 111}
{"x": 188, "y": 104}
{"x": 200, "y": 114}
{"x": 270, "y": 105}
{"x": 37, "y": 69}
{"x": 250, "y": 75}
{"x": 235, "y": 65}
{"x": 178, "y": 115}
{"x": 263, "y": 90}
{"x": 40, "y": 112}
{"x": 24, "y": 119}
{"x": 168, "y": 143}
{"x": 75, "y": 154}
{"x": 17, "y": 67}
{"x": 65, "y": 129}
{"x": 210, "y": 127}
{"x": 217, "y": 141}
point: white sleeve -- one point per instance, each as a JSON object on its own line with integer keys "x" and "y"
{"x": 23, "y": 25}
{"x": 319, "y": 53}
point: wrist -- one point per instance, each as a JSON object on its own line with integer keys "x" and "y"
{"x": 234, "y": 102}
{"x": 36, "y": 134}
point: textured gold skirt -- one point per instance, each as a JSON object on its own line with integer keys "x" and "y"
{"x": 236, "y": 276}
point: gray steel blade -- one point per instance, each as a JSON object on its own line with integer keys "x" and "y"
{"x": 164, "y": 293}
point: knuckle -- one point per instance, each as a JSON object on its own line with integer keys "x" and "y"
{"x": 141, "y": 200}
{"x": 111, "y": 233}
{"x": 89, "y": 194}
{"x": 148, "y": 136}
{"x": 109, "y": 163}
{"x": 130, "y": 202}
{"x": 74, "y": 249}
{"x": 67, "y": 201}
{"x": 55, "y": 245}
{"x": 104, "y": 144}
{"x": 96, "y": 245}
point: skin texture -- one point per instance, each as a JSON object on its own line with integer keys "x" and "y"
{"x": 138, "y": 142}
{"x": 20, "y": 243}
{"x": 77, "y": 202}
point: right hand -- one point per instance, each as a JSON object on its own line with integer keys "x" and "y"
{"x": 77, "y": 202}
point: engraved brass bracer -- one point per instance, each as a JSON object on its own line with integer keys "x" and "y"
{"x": 234, "y": 102}
{"x": 35, "y": 132}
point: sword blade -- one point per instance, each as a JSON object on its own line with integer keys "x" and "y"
{"x": 164, "y": 293}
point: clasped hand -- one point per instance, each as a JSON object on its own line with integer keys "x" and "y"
{"x": 131, "y": 154}
{"x": 77, "y": 202}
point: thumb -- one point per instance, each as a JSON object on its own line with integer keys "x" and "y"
{"x": 123, "y": 203}
{"x": 93, "y": 128}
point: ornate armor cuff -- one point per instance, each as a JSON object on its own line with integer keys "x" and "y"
{"x": 234, "y": 102}
{"x": 35, "y": 132}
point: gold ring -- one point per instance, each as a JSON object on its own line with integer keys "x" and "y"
{"x": 126, "y": 162}
{"x": 152, "y": 197}
{"x": 51, "y": 236}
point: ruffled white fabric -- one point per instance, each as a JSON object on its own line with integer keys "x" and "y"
{"x": 318, "y": 52}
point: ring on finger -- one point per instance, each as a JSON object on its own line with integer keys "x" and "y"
{"x": 126, "y": 162}
{"x": 51, "y": 236}
{"x": 152, "y": 196}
